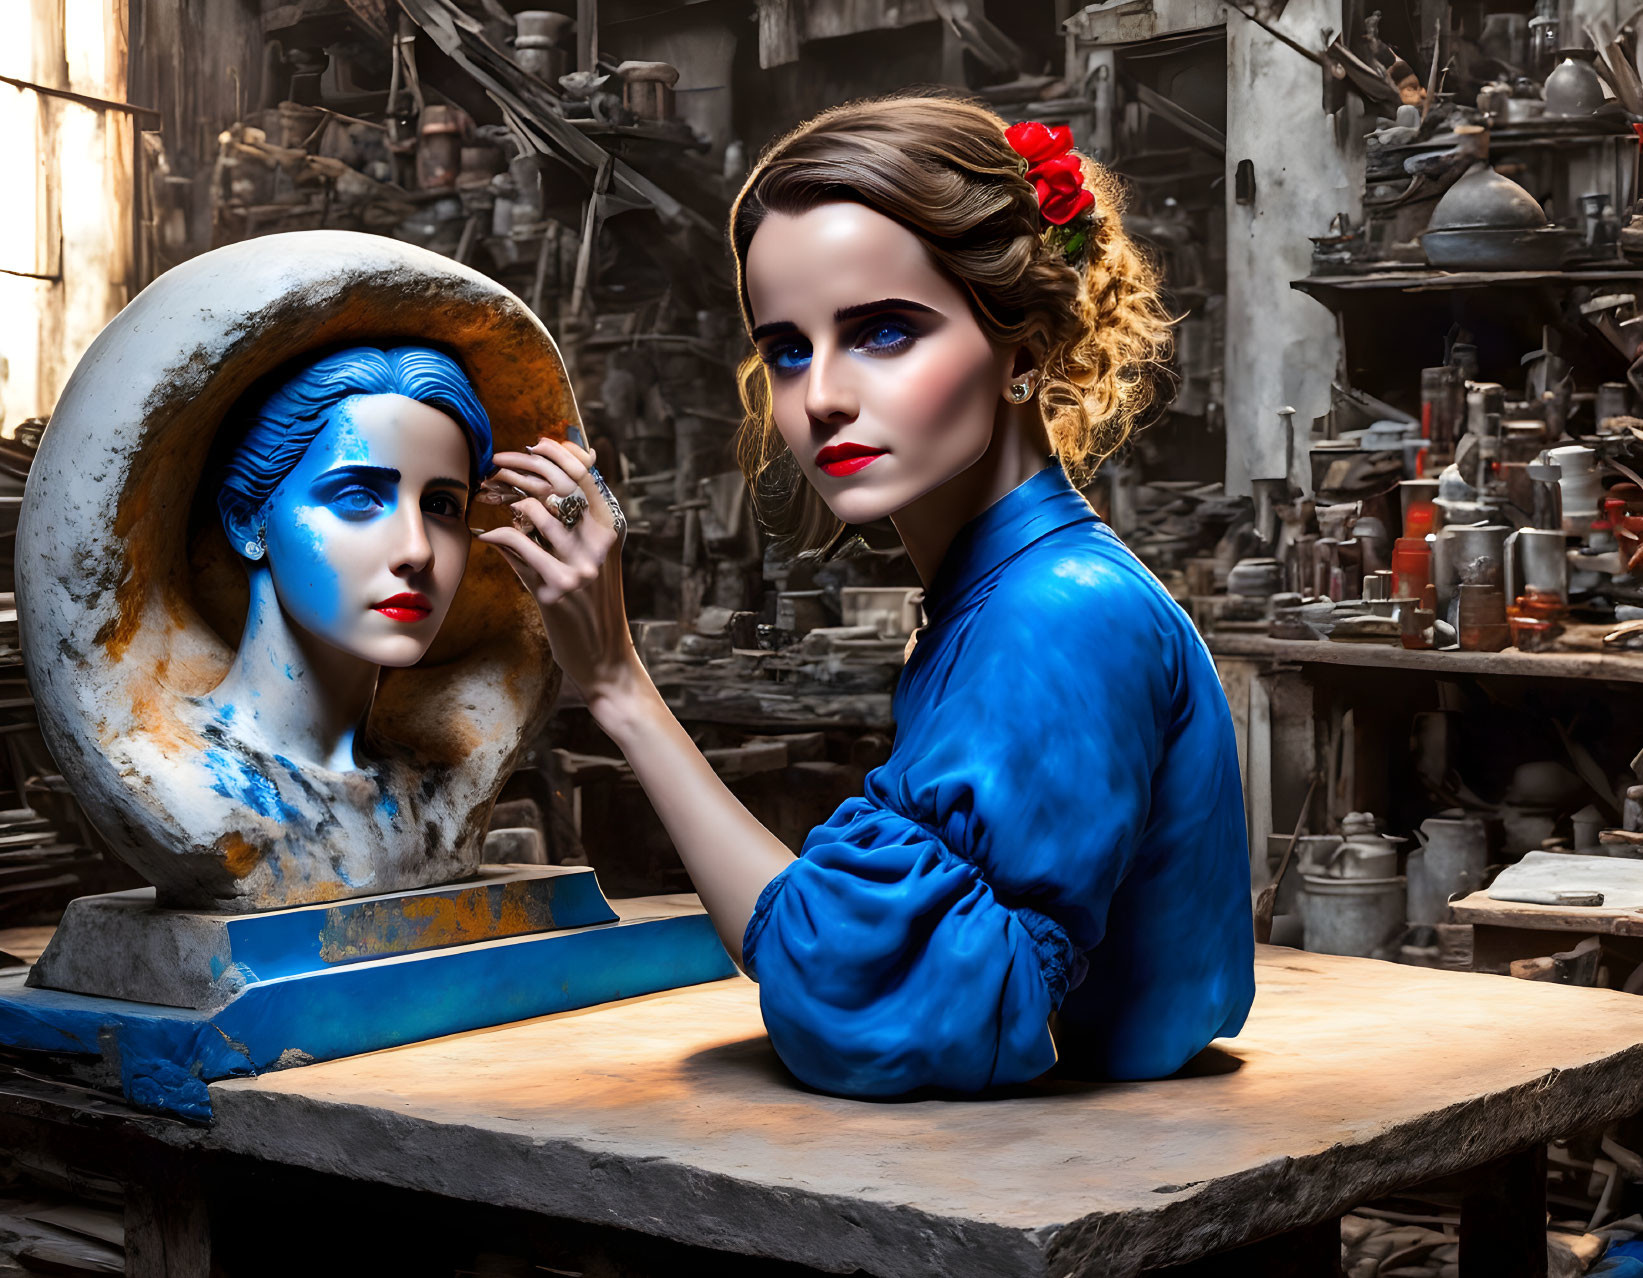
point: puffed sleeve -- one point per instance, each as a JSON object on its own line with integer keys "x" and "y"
{"x": 931, "y": 926}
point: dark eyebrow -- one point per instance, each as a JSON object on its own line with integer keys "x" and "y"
{"x": 443, "y": 482}
{"x": 885, "y": 304}
{"x": 784, "y": 327}
{"x": 780, "y": 327}
{"x": 382, "y": 474}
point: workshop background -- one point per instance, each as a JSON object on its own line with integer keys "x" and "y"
{"x": 1394, "y": 474}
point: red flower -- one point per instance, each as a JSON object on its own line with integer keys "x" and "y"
{"x": 1036, "y": 142}
{"x": 1060, "y": 186}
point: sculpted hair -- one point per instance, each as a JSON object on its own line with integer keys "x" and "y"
{"x": 942, "y": 168}
{"x": 281, "y": 426}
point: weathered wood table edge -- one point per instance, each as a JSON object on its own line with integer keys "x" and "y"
{"x": 1575, "y": 1058}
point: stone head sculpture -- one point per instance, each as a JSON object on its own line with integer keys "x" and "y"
{"x": 261, "y": 651}
{"x": 345, "y": 491}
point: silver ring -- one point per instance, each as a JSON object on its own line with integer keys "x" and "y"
{"x": 567, "y": 510}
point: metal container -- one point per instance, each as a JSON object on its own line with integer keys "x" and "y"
{"x": 1574, "y": 87}
{"x": 479, "y": 165}
{"x": 1614, "y": 399}
{"x": 1488, "y": 222}
{"x": 439, "y": 147}
{"x": 1483, "y": 198}
{"x": 1476, "y": 553}
{"x": 1455, "y": 852}
{"x": 1364, "y": 918}
{"x": 1537, "y": 559}
{"x": 536, "y": 46}
{"x": 1579, "y": 485}
{"x": 1428, "y": 903}
{"x": 1481, "y": 618}
{"x": 1479, "y": 248}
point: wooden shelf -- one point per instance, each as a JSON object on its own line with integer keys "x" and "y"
{"x": 1608, "y": 666}
{"x": 1329, "y": 289}
{"x": 1481, "y": 908}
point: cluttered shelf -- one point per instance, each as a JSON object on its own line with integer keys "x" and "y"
{"x": 1618, "y": 667}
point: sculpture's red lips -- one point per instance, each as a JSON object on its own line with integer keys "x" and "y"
{"x": 846, "y": 459}
{"x": 409, "y": 606}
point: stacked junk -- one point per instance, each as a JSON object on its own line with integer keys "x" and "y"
{"x": 1453, "y": 512}
{"x": 1346, "y": 895}
{"x": 1495, "y": 515}
{"x": 1489, "y": 522}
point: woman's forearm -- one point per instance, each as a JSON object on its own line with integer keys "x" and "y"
{"x": 729, "y": 855}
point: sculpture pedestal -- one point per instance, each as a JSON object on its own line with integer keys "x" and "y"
{"x": 173, "y": 999}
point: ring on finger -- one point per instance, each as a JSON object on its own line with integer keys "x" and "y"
{"x": 567, "y": 510}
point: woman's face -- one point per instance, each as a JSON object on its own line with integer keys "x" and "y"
{"x": 884, "y": 385}
{"x": 367, "y": 537}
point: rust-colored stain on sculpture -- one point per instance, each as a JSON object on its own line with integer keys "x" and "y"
{"x": 430, "y": 921}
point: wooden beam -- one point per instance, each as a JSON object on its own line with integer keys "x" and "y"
{"x": 587, "y": 34}
{"x": 84, "y": 99}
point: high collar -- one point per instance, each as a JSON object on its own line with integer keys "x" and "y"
{"x": 1031, "y": 510}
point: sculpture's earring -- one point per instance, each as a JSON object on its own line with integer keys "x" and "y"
{"x": 255, "y": 549}
{"x": 1021, "y": 391}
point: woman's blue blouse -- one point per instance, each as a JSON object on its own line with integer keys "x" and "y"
{"x": 1059, "y": 826}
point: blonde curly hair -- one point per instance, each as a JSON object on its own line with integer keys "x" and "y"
{"x": 942, "y": 168}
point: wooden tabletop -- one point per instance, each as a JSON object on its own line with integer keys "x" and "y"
{"x": 671, "y": 1115}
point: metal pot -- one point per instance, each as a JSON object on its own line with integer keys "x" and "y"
{"x": 1541, "y": 248}
{"x": 1360, "y": 917}
{"x": 1574, "y": 88}
{"x": 1483, "y": 198}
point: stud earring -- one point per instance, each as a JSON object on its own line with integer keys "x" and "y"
{"x": 1022, "y": 391}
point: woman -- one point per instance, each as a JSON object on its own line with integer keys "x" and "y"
{"x": 949, "y": 320}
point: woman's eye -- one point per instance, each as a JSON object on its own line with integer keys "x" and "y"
{"x": 883, "y": 338}
{"x": 788, "y": 358}
{"x": 444, "y": 504}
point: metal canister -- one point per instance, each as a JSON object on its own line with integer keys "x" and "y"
{"x": 439, "y": 147}
{"x": 1442, "y": 399}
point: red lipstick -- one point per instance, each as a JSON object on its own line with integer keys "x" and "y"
{"x": 407, "y": 607}
{"x": 846, "y": 459}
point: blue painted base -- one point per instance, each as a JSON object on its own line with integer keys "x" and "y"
{"x": 166, "y": 1056}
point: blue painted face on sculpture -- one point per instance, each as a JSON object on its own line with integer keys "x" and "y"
{"x": 300, "y": 513}
{"x": 349, "y": 488}
{"x": 367, "y": 538}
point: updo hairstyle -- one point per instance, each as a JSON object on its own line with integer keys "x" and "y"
{"x": 942, "y": 168}
{"x": 285, "y": 420}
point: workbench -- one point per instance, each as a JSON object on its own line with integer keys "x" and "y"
{"x": 1503, "y": 931}
{"x": 661, "y": 1135}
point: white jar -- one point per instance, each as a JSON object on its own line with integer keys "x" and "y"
{"x": 1579, "y": 484}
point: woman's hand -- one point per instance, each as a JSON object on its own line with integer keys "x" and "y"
{"x": 576, "y": 577}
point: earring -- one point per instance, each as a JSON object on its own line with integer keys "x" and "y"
{"x": 1022, "y": 391}
{"x": 255, "y": 549}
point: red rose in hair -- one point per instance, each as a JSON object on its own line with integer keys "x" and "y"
{"x": 1060, "y": 186}
{"x": 1036, "y": 142}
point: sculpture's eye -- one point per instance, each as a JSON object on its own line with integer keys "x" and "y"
{"x": 356, "y": 503}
